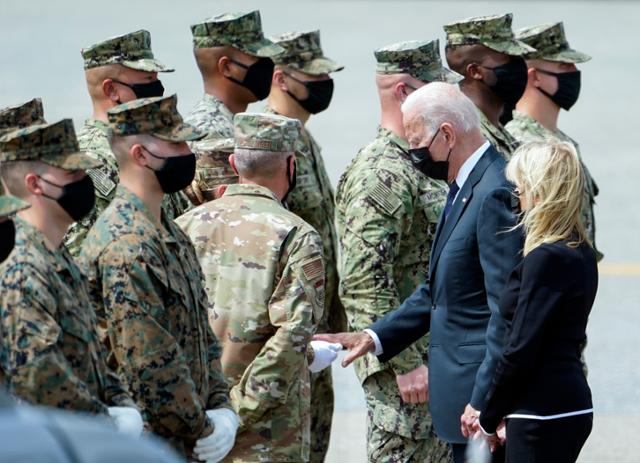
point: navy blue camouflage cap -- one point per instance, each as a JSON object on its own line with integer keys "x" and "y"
{"x": 238, "y": 30}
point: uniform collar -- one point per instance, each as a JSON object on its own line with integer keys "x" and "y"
{"x": 166, "y": 229}
{"x": 248, "y": 189}
{"x": 389, "y": 134}
{"x": 34, "y": 237}
{"x": 97, "y": 124}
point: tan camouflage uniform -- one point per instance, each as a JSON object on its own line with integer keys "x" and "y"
{"x": 495, "y": 33}
{"x": 49, "y": 345}
{"x": 242, "y": 31}
{"x": 265, "y": 280}
{"x": 147, "y": 278}
{"x": 387, "y": 213}
{"x": 551, "y": 44}
{"x": 312, "y": 200}
{"x": 133, "y": 51}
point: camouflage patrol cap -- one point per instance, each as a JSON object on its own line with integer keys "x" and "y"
{"x": 9, "y": 205}
{"x": 417, "y": 58}
{"x": 54, "y": 144}
{"x": 23, "y": 115}
{"x": 550, "y": 44}
{"x": 131, "y": 50}
{"x": 302, "y": 51}
{"x": 239, "y": 30}
{"x": 267, "y": 132}
{"x": 493, "y": 32}
{"x": 157, "y": 116}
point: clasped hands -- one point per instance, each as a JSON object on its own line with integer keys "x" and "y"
{"x": 470, "y": 428}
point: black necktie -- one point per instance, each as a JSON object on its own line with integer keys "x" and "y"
{"x": 453, "y": 191}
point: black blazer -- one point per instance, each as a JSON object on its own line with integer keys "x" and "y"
{"x": 546, "y": 302}
{"x": 471, "y": 257}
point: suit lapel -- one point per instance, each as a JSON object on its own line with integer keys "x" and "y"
{"x": 446, "y": 227}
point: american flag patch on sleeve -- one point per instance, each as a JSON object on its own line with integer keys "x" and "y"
{"x": 313, "y": 269}
{"x": 382, "y": 195}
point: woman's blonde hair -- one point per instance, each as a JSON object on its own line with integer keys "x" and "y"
{"x": 549, "y": 175}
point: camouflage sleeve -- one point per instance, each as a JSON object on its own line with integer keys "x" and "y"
{"x": 376, "y": 216}
{"x": 295, "y": 308}
{"x": 150, "y": 357}
{"x": 39, "y": 371}
{"x": 218, "y": 387}
{"x": 78, "y": 231}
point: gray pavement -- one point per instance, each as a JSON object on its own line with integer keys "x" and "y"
{"x": 40, "y": 56}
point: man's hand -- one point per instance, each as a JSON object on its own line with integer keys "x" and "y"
{"x": 468, "y": 421}
{"x": 414, "y": 386}
{"x": 358, "y": 344}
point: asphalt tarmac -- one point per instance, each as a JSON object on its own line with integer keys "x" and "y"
{"x": 40, "y": 56}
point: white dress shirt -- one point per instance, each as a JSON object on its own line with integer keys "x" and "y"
{"x": 461, "y": 178}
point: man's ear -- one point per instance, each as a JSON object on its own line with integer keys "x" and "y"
{"x": 448, "y": 133}
{"x": 279, "y": 80}
{"x": 473, "y": 71}
{"x": 219, "y": 191}
{"x": 109, "y": 90}
{"x": 532, "y": 77}
{"x": 31, "y": 183}
{"x": 232, "y": 163}
{"x": 136, "y": 152}
{"x": 400, "y": 92}
{"x": 224, "y": 66}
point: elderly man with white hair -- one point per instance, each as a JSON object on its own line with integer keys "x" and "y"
{"x": 473, "y": 252}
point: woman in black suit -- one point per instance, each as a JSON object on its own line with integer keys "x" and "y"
{"x": 539, "y": 388}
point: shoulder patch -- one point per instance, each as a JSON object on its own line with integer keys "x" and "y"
{"x": 385, "y": 198}
{"x": 313, "y": 269}
{"x": 101, "y": 182}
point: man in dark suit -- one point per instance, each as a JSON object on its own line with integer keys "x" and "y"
{"x": 473, "y": 253}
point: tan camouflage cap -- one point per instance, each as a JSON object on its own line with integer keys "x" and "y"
{"x": 239, "y": 30}
{"x": 23, "y": 115}
{"x": 54, "y": 144}
{"x": 550, "y": 44}
{"x": 267, "y": 132}
{"x": 493, "y": 32}
{"x": 417, "y": 58}
{"x": 131, "y": 50}
{"x": 9, "y": 205}
{"x": 302, "y": 51}
{"x": 157, "y": 116}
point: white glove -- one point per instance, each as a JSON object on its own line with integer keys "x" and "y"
{"x": 217, "y": 445}
{"x": 324, "y": 353}
{"x": 127, "y": 419}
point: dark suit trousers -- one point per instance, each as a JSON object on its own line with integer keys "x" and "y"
{"x": 459, "y": 451}
{"x": 552, "y": 441}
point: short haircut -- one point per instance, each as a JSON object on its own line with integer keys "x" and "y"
{"x": 121, "y": 146}
{"x": 207, "y": 58}
{"x": 460, "y": 56}
{"x": 95, "y": 77}
{"x": 258, "y": 163}
{"x": 13, "y": 173}
{"x": 439, "y": 102}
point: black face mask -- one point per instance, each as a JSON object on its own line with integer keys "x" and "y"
{"x": 423, "y": 161}
{"x": 292, "y": 180}
{"x": 258, "y": 77}
{"x": 7, "y": 238}
{"x": 568, "y": 88}
{"x": 146, "y": 90}
{"x": 176, "y": 173}
{"x": 511, "y": 81}
{"x": 77, "y": 198}
{"x": 320, "y": 93}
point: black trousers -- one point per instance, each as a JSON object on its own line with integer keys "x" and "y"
{"x": 459, "y": 451}
{"x": 551, "y": 441}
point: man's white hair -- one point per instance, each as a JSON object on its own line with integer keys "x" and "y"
{"x": 438, "y": 102}
{"x": 258, "y": 163}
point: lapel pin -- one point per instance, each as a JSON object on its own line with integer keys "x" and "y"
{"x": 464, "y": 200}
